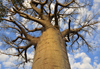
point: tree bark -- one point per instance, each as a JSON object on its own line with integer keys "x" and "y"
{"x": 51, "y": 51}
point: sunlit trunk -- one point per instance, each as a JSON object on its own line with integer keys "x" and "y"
{"x": 51, "y": 51}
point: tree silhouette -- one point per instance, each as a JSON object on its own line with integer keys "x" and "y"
{"x": 50, "y": 45}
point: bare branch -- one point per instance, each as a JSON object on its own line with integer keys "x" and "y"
{"x": 55, "y": 15}
{"x": 42, "y": 22}
{"x": 52, "y": 15}
{"x": 22, "y": 30}
{"x": 65, "y": 32}
{"x": 36, "y": 29}
{"x": 20, "y": 23}
{"x": 69, "y": 29}
{"x": 24, "y": 48}
{"x": 34, "y": 7}
{"x": 23, "y": 63}
{"x": 10, "y": 44}
{"x": 66, "y": 5}
{"x": 43, "y": 3}
{"x": 25, "y": 55}
{"x": 7, "y": 54}
{"x": 65, "y": 40}
{"x": 8, "y": 26}
{"x": 7, "y": 8}
{"x": 85, "y": 25}
{"x": 28, "y": 16}
{"x": 18, "y": 38}
{"x": 74, "y": 41}
{"x": 89, "y": 46}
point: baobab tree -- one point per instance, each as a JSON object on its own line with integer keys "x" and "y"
{"x": 51, "y": 45}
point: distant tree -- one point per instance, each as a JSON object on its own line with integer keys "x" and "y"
{"x": 51, "y": 45}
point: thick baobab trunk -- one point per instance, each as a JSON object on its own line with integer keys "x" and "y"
{"x": 51, "y": 51}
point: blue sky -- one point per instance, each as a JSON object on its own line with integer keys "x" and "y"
{"x": 79, "y": 59}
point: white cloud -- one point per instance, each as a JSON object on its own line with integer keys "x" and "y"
{"x": 84, "y": 63}
{"x": 11, "y": 51}
{"x": 82, "y": 55}
{"x": 86, "y": 60}
{"x": 96, "y": 59}
{"x": 82, "y": 12}
{"x": 12, "y": 59}
{"x": 24, "y": 22}
{"x": 98, "y": 24}
{"x": 96, "y": 0}
{"x": 7, "y": 32}
{"x": 68, "y": 10}
{"x": 85, "y": 66}
{"x": 95, "y": 6}
{"x": 75, "y": 65}
{"x": 98, "y": 66}
{"x": 8, "y": 64}
{"x": 71, "y": 59}
{"x": 0, "y": 43}
{"x": 27, "y": 3}
{"x": 3, "y": 57}
{"x": 0, "y": 66}
{"x": 90, "y": 14}
{"x": 52, "y": 7}
{"x": 27, "y": 65}
{"x": 31, "y": 55}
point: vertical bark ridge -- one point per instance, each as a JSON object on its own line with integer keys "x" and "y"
{"x": 51, "y": 51}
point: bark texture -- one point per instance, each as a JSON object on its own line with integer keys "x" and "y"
{"x": 51, "y": 51}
